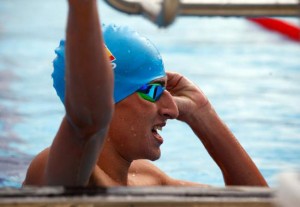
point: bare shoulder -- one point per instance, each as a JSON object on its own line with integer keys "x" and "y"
{"x": 145, "y": 173}
{"x": 144, "y": 166}
{"x": 144, "y": 170}
{"x": 36, "y": 170}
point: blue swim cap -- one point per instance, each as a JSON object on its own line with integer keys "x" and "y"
{"x": 135, "y": 62}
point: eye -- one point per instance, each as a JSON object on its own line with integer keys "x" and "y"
{"x": 151, "y": 92}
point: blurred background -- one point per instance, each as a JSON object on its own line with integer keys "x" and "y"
{"x": 250, "y": 75}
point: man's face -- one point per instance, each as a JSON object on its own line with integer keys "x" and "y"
{"x": 134, "y": 128}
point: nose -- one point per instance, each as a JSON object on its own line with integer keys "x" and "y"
{"x": 167, "y": 106}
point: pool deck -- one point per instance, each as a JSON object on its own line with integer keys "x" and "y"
{"x": 138, "y": 197}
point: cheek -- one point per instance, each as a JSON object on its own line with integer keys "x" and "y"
{"x": 139, "y": 123}
{"x": 134, "y": 116}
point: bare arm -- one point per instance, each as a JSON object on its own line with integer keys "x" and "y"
{"x": 88, "y": 102}
{"x": 195, "y": 109}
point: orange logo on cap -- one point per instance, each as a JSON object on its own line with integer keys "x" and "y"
{"x": 109, "y": 54}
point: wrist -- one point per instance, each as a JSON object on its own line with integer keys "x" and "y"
{"x": 81, "y": 5}
{"x": 199, "y": 113}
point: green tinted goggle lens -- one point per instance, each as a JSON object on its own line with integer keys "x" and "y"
{"x": 151, "y": 92}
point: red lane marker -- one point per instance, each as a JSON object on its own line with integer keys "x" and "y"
{"x": 282, "y": 27}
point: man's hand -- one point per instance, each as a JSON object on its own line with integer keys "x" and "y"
{"x": 195, "y": 109}
{"x": 188, "y": 97}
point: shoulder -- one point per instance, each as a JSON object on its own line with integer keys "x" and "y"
{"x": 146, "y": 171}
{"x": 36, "y": 170}
{"x": 144, "y": 166}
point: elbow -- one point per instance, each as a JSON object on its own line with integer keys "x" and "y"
{"x": 89, "y": 122}
{"x": 106, "y": 119}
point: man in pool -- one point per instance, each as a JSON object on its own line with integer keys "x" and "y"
{"x": 117, "y": 97}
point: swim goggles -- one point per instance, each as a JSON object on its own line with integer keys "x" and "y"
{"x": 151, "y": 91}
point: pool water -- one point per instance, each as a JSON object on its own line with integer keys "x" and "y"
{"x": 251, "y": 76}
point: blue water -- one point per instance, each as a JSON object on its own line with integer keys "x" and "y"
{"x": 251, "y": 77}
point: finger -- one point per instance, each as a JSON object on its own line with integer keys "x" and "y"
{"x": 173, "y": 80}
{"x": 182, "y": 105}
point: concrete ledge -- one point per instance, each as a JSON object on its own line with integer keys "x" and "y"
{"x": 137, "y": 197}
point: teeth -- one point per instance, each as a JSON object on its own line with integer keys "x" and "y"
{"x": 158, "y": 128}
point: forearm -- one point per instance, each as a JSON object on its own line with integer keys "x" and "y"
{"x": 234, "y": 162}
{"x": 88, "y": 100}
{"x": 89, "y": 80}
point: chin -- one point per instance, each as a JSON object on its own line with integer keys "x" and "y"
{"x": 149, "y": 153}
{"x": 154, "y": 156}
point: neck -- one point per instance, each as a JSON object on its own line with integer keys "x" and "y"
{"x": 113, "y": 164}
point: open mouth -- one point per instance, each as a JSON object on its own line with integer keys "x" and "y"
{"x": 155, "y": 133}
{"x": 155, "y": 128}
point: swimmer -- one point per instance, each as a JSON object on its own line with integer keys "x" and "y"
{"x": 117, "y": 97}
